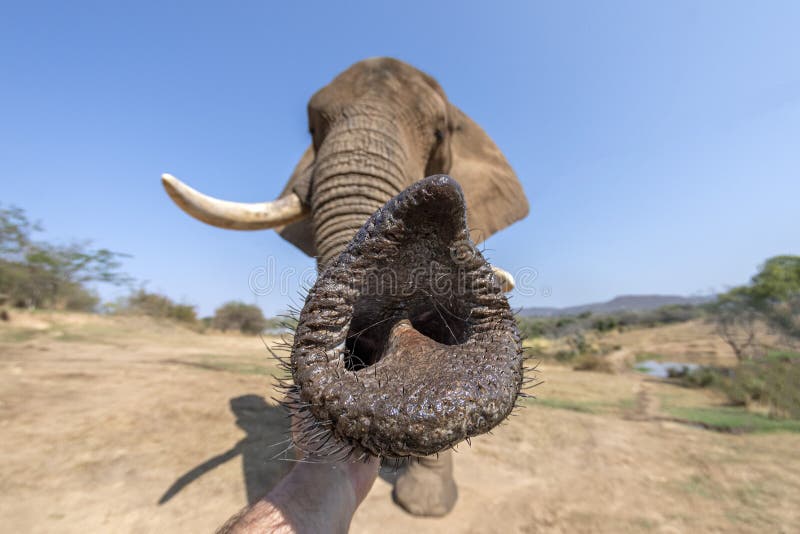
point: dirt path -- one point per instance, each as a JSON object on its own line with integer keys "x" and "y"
{"x": 132, "y": 426}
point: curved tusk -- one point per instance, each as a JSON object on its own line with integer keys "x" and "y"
{"x": 234, "y": 215}
{"x": 504, "y": 278}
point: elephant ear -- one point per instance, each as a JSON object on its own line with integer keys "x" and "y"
{"x": 300, "y": 233}
{"x": 494, "y": 195}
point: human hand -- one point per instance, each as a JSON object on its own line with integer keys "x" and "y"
{"x": 313, "y": 497}
{"x": 316, "y": 496}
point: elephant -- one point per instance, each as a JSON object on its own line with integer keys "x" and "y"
{"x": 396, "y": 180}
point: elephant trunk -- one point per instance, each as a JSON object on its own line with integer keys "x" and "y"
{"x": 406, "y": 344}
{"x": 361, "y": 165}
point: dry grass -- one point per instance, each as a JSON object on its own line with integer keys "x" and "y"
{"x": 103, "y": 417}
{"x": 691, "y": 342}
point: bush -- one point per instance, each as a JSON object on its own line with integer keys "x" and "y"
{"x": 563, "y": 326}
{"x": 700, "y": 378}
{"x": 578, "y": 344}
{"x": 564, "y": 356}
{"x": 156, "y": 305}
{"x": 183, "y": 312}
{"x": 606, "y": 325}
{"x": 78, "y": 298}
{"x": 769, "y": 382}
{"x": 593, "y": 362}
{"x": 676, "y": 313}
{"x": 784, "y": 355}
{"x": 246, "y": 318}
{"x": 531, "y": 328}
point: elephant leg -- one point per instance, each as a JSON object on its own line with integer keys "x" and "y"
{"x": 426, "y": 486}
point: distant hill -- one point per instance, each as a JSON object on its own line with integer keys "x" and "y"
{"x": 632, "y": 303}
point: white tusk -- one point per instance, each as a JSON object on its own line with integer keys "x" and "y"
{"x": 234, "y": 215}
{"x": 504, "y": 278}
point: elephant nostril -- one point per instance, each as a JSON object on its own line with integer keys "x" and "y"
{"x": 364, "y": 346}
{"x": 442, "y": 325}
{"x": 370, "y": 327}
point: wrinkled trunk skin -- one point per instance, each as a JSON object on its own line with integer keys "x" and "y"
{"x": 360, "y": 166}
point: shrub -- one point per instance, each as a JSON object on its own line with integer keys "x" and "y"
{"x": 605, "y": 324}
{"x": 531, "y": 328}
{"x": 563, "y": 326}
{"x": 183, "y": 312}
{"x": 768, "y": 382}
{"x": 578, "y": 343}
{"x": 564, "y": 356}
{"x": 156, "y": 305}
{"x": 593, "y": 362}
{"x": 784, "y": 355}
{"x": 700, "y": 378}
{"x": 246, "y": 318}
{"x": 677, "y": 313}
{"x": 78, "y": 298}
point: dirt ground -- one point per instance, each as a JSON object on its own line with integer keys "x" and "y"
{"x": 132, "y": 425}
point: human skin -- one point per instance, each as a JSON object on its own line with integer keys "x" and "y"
{"x": 312, "y": 498}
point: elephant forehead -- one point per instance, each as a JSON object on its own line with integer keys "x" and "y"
{"x": 386, "y": 77}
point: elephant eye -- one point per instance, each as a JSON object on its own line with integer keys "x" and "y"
{"x": 439, "y": 135}
{"x": 312, "y": 131}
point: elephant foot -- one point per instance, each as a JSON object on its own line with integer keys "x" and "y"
{"x": 426, "y": 486}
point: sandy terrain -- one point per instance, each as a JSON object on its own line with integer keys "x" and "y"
{"x": 130, "y": 425}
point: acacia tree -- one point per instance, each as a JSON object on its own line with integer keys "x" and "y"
{"x": 736, "y": 323}
{"x": 775, "y": 292}
{"x": 38, "y": 274}
{"x": 772, "y": 298}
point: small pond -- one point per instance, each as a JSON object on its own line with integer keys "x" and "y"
{"x": 663, "y": 369}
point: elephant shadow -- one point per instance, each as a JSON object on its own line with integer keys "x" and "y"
{"x": 262, "y": 462}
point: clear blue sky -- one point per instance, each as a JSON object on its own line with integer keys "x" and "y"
{"x": 659, "y": 143}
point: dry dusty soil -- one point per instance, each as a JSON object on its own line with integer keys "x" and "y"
{"x": 132, "y": 425}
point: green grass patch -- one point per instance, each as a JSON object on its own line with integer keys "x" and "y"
{"x": 71, "y": 337}
{"x": 94, "y": 336}
{"x": 240, "y": 368}
{"x": 214, "y": 362}
{"x": 783, "y": 355}
{"x": 698, "y": 486}
{"x": 19, "y": 335}
{"x": 562, "y": 404}
{"x": 649, "y": 356}
{"x": 734, "y": 419}
{"x": 591, "y": 407}
{"x": 626, "y": 405}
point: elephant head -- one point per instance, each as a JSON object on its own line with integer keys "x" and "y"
{"x": 406, "y": 344}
